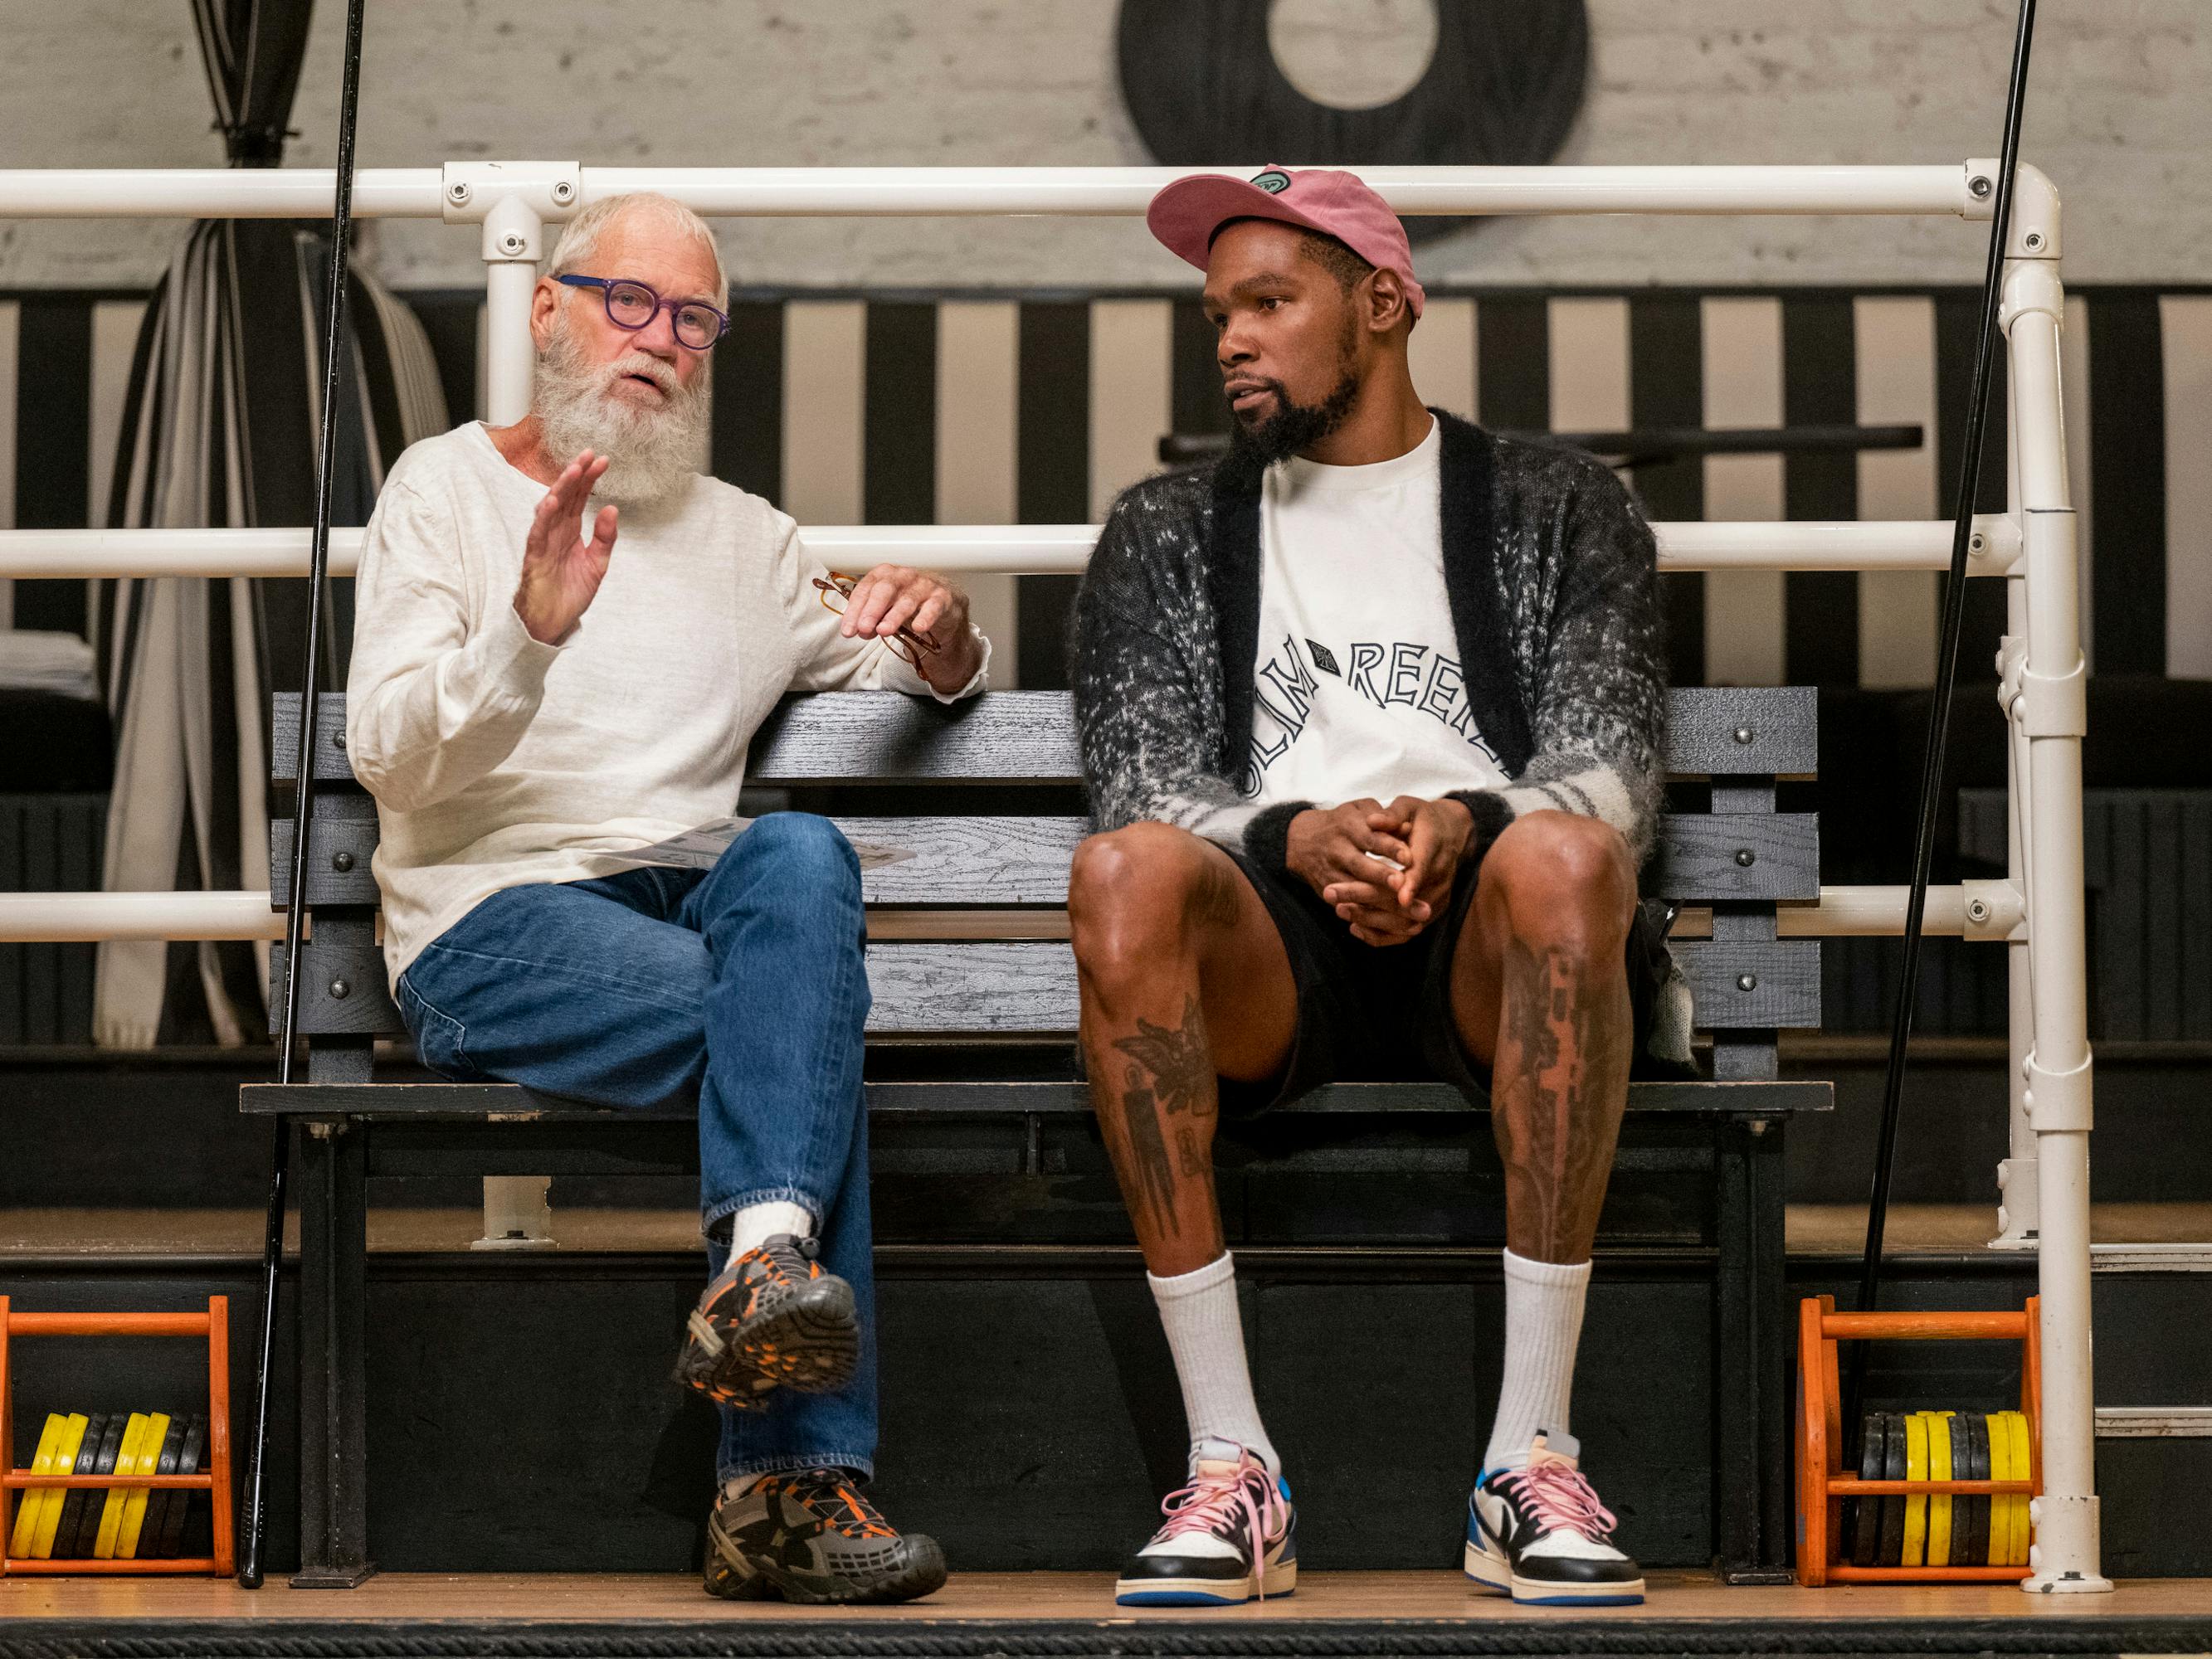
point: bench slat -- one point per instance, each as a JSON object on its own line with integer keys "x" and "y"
{"x": 881, "y": 737}
{"x": 1028, "y": 737}
{"x": 1785, "y": 982}
{"x": 352, "y": 839}
{"x": 1701, "y": 856}
{"x": 1008, "y": 863}
{"x": 1001, "y": 862}
{"x": 931, "y": 990}
{"x": 934, "y": 990}
{"x": 1743, "y": 730}
{"x": 885, "y": 736}
{"x": 1028, "y": 987}
{"x": 331, "y": 765}
{"x": 504, "y": 1103}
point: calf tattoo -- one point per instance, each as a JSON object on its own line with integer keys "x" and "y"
{"x": 1559, "y": 1085}
{"x": 1170, "y": 1074}
{"x": 1177, "y": 1059}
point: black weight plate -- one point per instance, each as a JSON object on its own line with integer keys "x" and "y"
{"x": 1892, "y": 1508}
{"x": 95, "y": 1503}
{"x": 88, "y": 1454}
{"x": 1866, "y": 1516}
{"x": 1974, "y": 1550}
{"x": 158, "y": 1502}
{"x": 188, "y": 1462}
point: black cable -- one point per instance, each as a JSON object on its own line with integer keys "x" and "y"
{"x": 254, "y": 1507}
{"x": 1939, "y": 708}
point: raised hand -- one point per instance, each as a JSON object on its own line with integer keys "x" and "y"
{"x": 561, "y": 571}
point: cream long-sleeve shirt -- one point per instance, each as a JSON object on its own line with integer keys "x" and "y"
{"x": 499, "y": 761}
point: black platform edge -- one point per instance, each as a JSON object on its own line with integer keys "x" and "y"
{"x": 505, "y": 1102}
{"x": 753, "y": 1637}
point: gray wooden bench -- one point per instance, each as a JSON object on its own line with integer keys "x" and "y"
{"x": 968, "y": 953}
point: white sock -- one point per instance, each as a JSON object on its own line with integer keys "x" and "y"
{"x": 755, "y": 1224}
{"x": 1543, "y": 1324}
{"x": 1208, "y": 1340}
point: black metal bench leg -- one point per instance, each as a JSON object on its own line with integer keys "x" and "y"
{"x": 1736, "y": 1448}
{"x": 1770, "y": 1345}
{"x": 332, "y": 1181}
{"x": 1751, "y": 1460}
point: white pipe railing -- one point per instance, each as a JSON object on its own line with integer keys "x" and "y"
{"x": 50, "y": 918}
{"x": 1029, "y": 550}
{"x": 906, "y": 192}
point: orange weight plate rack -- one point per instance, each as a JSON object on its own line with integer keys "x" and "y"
{"x": 1823, "y": 1483}
{"x": 212, "y": 1327}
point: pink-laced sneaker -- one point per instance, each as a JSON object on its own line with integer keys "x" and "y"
{"x": 1539, "y": 1533}
{"x": 1231, "y": 1536}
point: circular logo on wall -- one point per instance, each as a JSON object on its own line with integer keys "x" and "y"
{"x": 1503, "y": 88}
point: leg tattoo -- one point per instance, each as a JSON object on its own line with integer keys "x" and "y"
{"x": 1193, "y": 1163}
{"x": 1561, "y": 1083}
{"x": 1170, "y": 1075}
{"x": 1178, "y": 1058}
{"x": 1152, "y": 1171}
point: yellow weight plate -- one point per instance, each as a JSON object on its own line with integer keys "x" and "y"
{"x": 110, "y": 1514}
{"x": 1916, "y": 1509}
{"x": 65, "y": 1450}
{"x": 2023, "y": 1469}
{"x": 134, "y": 1501}
{"x": 1939, "y": 1504}
{"x": 2000, "y": 1550}
{"x": 31, "y": 1506}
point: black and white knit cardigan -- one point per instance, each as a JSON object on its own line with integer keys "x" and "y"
{"x": 1549, "y": 569}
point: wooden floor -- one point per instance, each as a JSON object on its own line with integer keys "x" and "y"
{"x": 1082, "y": 1597}
{"x": 1813, "y": 1229}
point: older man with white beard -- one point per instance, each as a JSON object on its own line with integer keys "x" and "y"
{"x": 526, "y": 700}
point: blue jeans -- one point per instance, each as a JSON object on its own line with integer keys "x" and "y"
{"x": 742, "y": 988}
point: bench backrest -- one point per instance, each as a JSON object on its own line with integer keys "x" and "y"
{"x": 968, "y": 936}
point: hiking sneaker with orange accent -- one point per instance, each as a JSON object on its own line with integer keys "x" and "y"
{"x": 1540, "y": 1536}
{"x": 1231, "y": 1536}
{"x": 772, "y": 1318}
{"x": 814, "y": 1537}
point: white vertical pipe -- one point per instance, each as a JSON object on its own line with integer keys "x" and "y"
{"x": 509, "y": 354}
{"x": 2017, "y": 1199}
{"x": 2018, "y": 1205}
{"x": 2066, "y": 1553}
{"x": 518, "y": 1213}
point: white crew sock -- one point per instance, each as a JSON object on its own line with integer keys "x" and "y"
{"x": 1199, "y": 1310}
{"x": 1543, "y": 1324}
{"x": 755, "y": 1224}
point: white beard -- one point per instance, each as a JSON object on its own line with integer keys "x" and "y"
{"x": 653, "y": 454}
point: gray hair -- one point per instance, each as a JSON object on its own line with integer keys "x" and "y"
{"x": 579, "y": 238}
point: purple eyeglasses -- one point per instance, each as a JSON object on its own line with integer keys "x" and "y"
{"x": 634, "y": 305}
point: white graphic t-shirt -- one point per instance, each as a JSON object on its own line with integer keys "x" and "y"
{"x": 1358, "y": 688}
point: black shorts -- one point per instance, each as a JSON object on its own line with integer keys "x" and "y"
{"x": 1369, "y": 1013}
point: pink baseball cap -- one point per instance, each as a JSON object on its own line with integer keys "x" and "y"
{"x": 1185, "y": 215}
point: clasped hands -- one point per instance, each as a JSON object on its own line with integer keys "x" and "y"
{"x": 1340, "y": 853}
{"x": 561, "y": 571}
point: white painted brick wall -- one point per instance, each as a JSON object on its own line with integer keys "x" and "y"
{"x": 2120, "y": 114}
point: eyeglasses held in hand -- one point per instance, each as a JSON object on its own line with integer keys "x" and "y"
{"x": 634, "y": 305}
{"x": 909, "y": 645}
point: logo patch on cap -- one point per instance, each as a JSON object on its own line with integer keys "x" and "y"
{"x": 1273, "y": 181}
